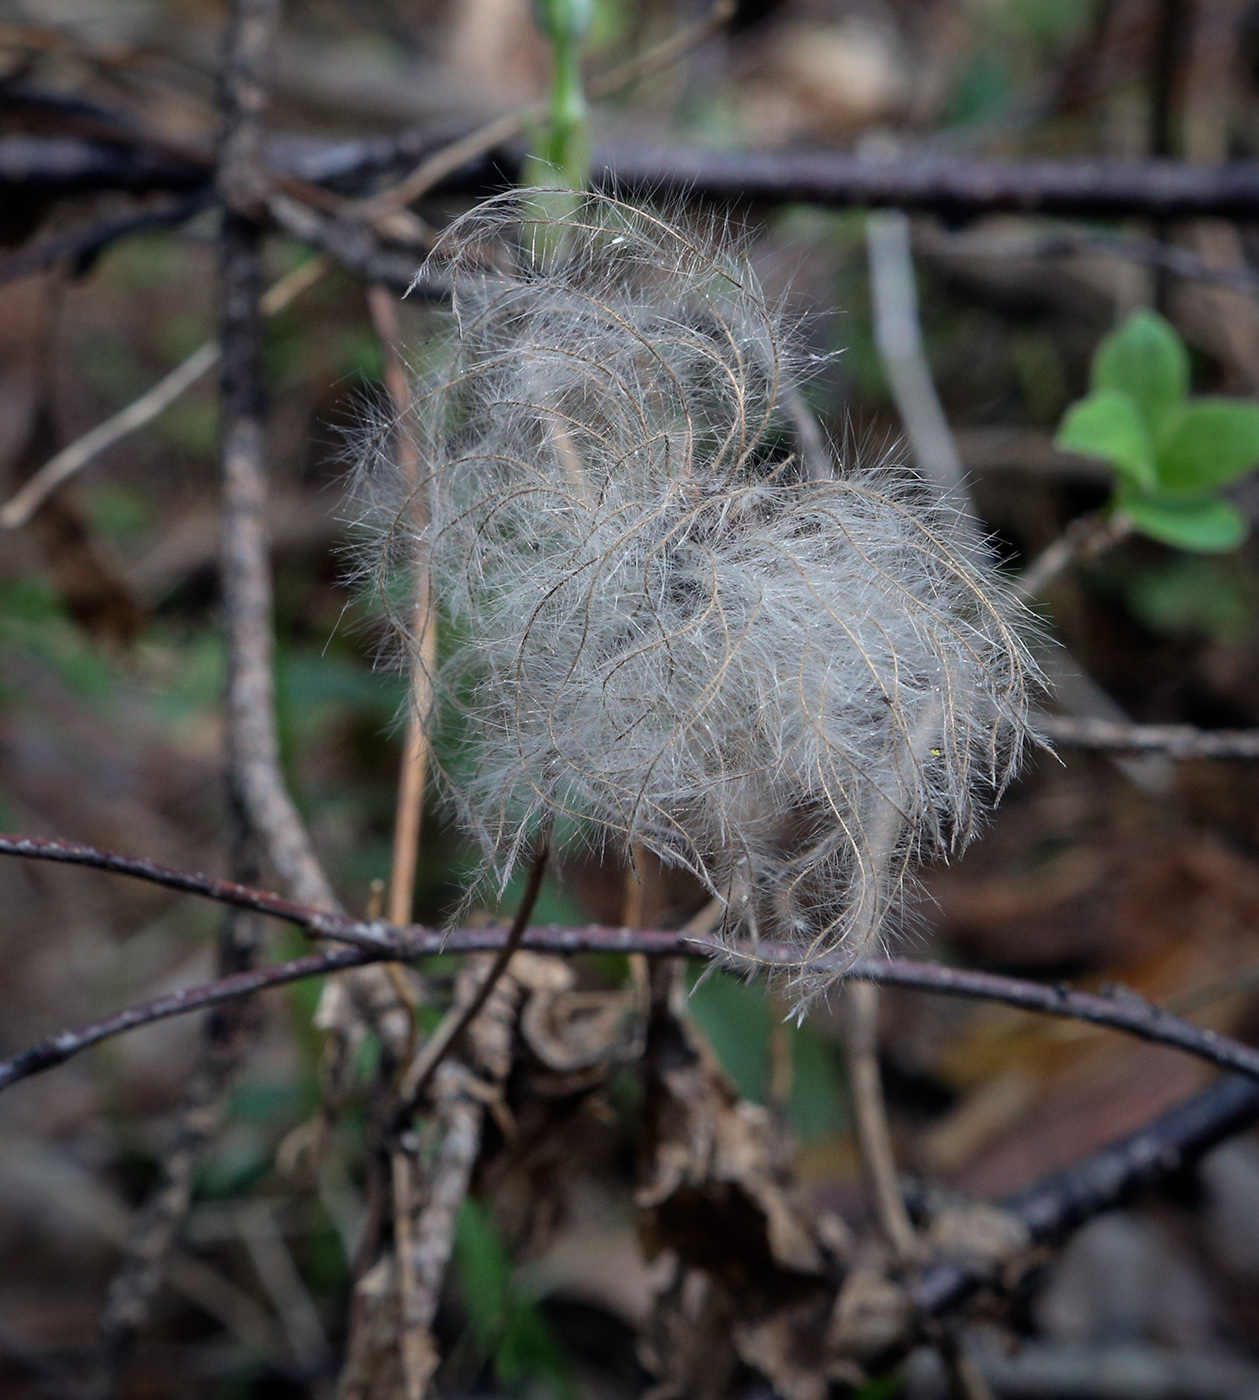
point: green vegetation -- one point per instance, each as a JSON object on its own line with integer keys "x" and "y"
{"x": 1170, "y": 454}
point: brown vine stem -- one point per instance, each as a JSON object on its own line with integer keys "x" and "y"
{"x": 378, "y": 942}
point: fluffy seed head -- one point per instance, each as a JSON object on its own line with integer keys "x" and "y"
{"x": 662, "y": 630}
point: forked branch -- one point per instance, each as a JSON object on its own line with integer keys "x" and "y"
{"x": 368, "y": 942}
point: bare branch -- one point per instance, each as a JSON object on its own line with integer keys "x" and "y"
{"x": 318, "y": 922}
{"x": 952, "y": 186}
{"x": 943, "y": 184}
{"x": 1117, "y": 1009}
{"x": 256, "y": 782}
{"x": 72, "y": 459}
{"x": 1084, "y": 539}
{"x": 353, "y": 245}
{"x": 78, "y": 247}
{"x": 1181, "y": 741}
{"x": 898, "y": 333}
{"x": 62, "y": 166}
{"x": 1059, "y": 1203}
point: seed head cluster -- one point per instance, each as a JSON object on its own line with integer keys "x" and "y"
{"x": 660, "y": 629}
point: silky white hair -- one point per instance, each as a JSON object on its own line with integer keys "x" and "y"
{"x": 661, "y": 629}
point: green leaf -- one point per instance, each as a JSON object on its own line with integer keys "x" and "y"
{"x": 1108, "y": 424}
{"x": 1205, "y": 526}
{"x": 506, "y": 1324}
{"x": 1209, "y": 443}
{"x": 1147, "y": 360}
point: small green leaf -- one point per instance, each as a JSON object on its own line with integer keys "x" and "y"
{"x": 1147, "y": 360}
{"x": 1108, "y": 424}
{"x": 1209, "y": 443}
{"x": 1205, "y": 526}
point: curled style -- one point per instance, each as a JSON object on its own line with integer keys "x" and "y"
{"x": 661, "y": 628}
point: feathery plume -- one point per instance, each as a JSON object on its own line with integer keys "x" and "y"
{"x": 662, "y": 629}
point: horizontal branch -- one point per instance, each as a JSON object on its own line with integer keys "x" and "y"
{"x": 324, "y": 924}
{"x": 1048, "y": 1210}
{"x": 375, "y": 941}
{"x": 952, "y": 186}
{"x": 55, "y": 166}
{"x": 1174, "y": 740}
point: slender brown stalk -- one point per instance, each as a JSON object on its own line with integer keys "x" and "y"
{"x": 459, "y": 1018}
{"x": 874, "y": 1138}
{"x": 408, "y": 816}
{"x": 415, "y": 1356}
{"x": 1084, "y": 539}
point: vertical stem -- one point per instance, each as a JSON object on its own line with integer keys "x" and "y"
{"x": 644, "y": 867}
{"x": 259, "y": 797}
{"x": 874, "y": 1139}
{"x": 782, "y": 1068}
{"x": 415, "y": 1343}
{"x": 409, "y": 812}
{"x": 566, "y": 147}
{"x": 898, "y": 334}
{"x": 262, "y": 815}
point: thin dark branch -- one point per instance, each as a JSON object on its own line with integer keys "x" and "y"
{"x": 952, "y": 186}
{"x": 377, "y": 942}
{"x": 354, "y": 246}
{"x": 1174, "y": 740}
{"x": 1054, "y": 1206}
{"x": 59, "y": 1048}
{"x": 79, "y": 247}
{"x": 53, "y": 167}
{"x": 326, "y": 924}
{"x": 459, "y": 1018}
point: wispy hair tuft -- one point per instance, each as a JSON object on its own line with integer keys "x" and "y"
{"x": 663, "y": 628}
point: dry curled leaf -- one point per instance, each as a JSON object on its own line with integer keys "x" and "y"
{"x": 872, "y": 1313}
